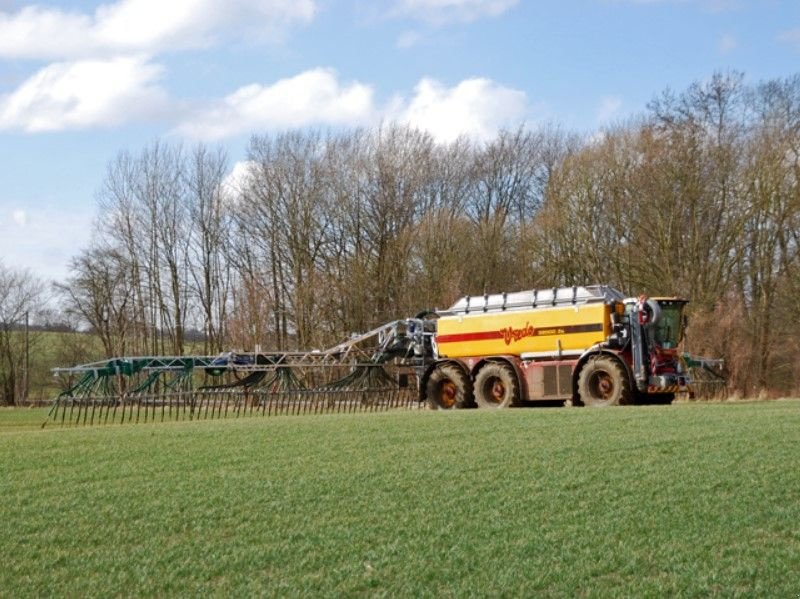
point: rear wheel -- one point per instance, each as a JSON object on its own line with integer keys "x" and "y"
{"x": 449, "y": 387}
{"x": 603, "y": 382}
{"x": 497, "y": 386}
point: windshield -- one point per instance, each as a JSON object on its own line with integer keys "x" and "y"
{"x": 668, "y": 329}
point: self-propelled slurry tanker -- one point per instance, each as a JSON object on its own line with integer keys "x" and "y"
{"x": 586, "y": 345}
{"x": 580, "y": 345}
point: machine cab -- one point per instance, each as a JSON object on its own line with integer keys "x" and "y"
{"x": 657, "y": 329}
{"x": 668, "y": 327}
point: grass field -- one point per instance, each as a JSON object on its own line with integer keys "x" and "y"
{"x": 676, "y": 500}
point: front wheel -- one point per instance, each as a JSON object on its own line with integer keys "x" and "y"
{"x": 449, "y": 387}
{"x": 603, "y": 382}
{"x": 497, "y": 386}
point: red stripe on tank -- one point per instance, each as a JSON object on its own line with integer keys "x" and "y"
{"x": 461, "y": 337}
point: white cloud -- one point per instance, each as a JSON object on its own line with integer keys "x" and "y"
{"x": 20, "y": 217}
{"x": 84, "y": 94}
{"x": 314, "y": 97}
{"x": 238, "y": 180}
{"x": 141, "y": 26}
{"x": 476, "y": 108}
{"x": 105, "y": 75}
{"x": 727, "y": 44}
{"x": 36, "y": 32}
{"x": 97, "y": 93}
{"x": 609, "y": 108}
{"x": 445, "y": 11}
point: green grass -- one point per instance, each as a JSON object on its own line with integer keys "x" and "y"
{"x": 676, "y": 500}
{"x": 21, "y": 419}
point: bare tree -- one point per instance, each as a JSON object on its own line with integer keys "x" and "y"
{"x": 100, "y": 293}
{"x": 286, "y": 222}
{"x": 21, "y": 300}
{"x": 209, "y": 208}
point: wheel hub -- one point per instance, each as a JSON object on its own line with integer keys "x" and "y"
{"x": 494, "y": 390}
{"x": 498, "y": 391}
{"x": 603, "y": 385}
{"x": 448, "y": 394}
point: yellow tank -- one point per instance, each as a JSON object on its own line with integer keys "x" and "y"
{"x": 566, "y": 321}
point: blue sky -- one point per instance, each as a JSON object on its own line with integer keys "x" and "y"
{"x": 80, "y": 81}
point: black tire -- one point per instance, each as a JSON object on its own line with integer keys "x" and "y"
{"x": 449, "y": 388}
{"x": 497, "y": 386}
{"x": 603, "y": 382}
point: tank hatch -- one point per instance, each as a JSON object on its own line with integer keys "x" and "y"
{"x": 535, "y": 298}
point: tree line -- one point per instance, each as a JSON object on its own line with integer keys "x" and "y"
{"x": 324, "y": 233}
